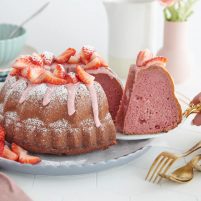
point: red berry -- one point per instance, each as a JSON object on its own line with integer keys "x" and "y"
{"x": 22, "y": 62}
{"x": 65, "y": 56}
{"x": 51, "y": 79}
{"x": 86, "y": 54}
{"x": 84, "y": 76}
{"x": 71, "y": 78}
{"x": 8, "y": 154}
{"x": 48, "y": 58}
{"x": 36, "y": 75}
{"x": 156, "y": 61}
{"x": 74, "y": 60}
{"x": 59, "y": 71}
{"x": 143, "y": 56}
{"x": 2, "y": 140}
{"x": 96, "y": 63}
{"x": 36, "y": 59}
{"x": 15, "y": 71}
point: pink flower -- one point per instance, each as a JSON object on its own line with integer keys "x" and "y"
{"x": 167, "y": 2}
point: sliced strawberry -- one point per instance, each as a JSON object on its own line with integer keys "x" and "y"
{"x": 22, "y": 62}
{"x": 65, "y": 56}
{"x": 96, "y": 63}
{"x": 36, "y": 59}
{"x": 23, "y": 155}
{"x": 59, "y": 71}
{"x": 143, "y": 56}
{"x": 25, "y": 72}
{"x": 84, "y": 76}
{"x": 86, "y": 54}
{"x": 156, "y": 61}
{"x": 36, "y": 75}
{"x": 71, "y": 78}
{"x": 7, "y": 153}
{"x": 48, "y": 58}
{"x": 15, "y": 71}
{"x": 94, "y": 55}
{"x": 2, "y": 140}
{"x": 51, "y": 79}
{"x": 74, "y": 60}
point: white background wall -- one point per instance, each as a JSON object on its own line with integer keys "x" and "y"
{"x": 76, "y": 22}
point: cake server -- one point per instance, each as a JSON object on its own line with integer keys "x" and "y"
{"x": 12, "y": 34}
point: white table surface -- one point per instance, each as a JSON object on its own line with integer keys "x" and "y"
{"x": 124, "y": 183}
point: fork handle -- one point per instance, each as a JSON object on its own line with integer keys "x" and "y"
{"x": 191, "y": 150}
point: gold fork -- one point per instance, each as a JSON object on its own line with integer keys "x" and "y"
{"x": 164, "y": 161}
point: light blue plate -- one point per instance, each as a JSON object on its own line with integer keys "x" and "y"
{"x": 116, "y": 155}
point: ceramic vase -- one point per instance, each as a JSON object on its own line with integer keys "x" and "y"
{"x": 176, "y": 49}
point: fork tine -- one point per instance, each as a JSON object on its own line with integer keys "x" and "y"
{"x": 153, "y": 165}
{"x": 167, "y": 162}
{"x": 163, "y": 160}
{"x": 166, "y": 169}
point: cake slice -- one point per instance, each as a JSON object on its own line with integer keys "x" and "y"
{"x": 148, "y": 104}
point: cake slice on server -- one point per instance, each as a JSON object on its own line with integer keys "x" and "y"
{"x": 149, "y": 104}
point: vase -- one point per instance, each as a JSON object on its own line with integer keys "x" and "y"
{"x": 176, "y": 49}
{"x": 130, "y": 29}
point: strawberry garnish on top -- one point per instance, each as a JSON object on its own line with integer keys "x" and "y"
{"x": 15, "y": 71}
{"x": 23, "y": 156}
{"x": 74, "y": 59}
{"x": 36, "y": 59}
{"x": 83, "y": 76}
{"x": 86, "y": 54}
{"x": 59, "y": 71}
{"x": 96, "y": 63}
{"x": 65, "y": 56}
{"x": 156, "y": 61}
{"x": 36, "y": 75}
{"x": 71, "y": 78}
{"x": 52, "y": 79}
{"x": 22, "y": 62}
{"x": 143, "y": 56}
{"x": 48, "y": 58}
{"x": 2, "y": 140}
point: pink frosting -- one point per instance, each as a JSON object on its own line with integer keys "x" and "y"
{"x": 94, "y": 101}
{"x": 71, "y": 98}
{"x": 49, "y": 92}
{"x": 26, "y": 92}
{"x": 9, "y": 191}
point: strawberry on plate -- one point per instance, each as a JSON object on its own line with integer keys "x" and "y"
{"x": 86, "y": 54}
{"x": 52, "y": 79}
{"x": 36, "y": 59}
{"x": 2, "y": 140}
{"x": 158, "y": 61}
{"x": 48, "y": 58}
{"x": 23, "y": 155}
{"x": 96, "y": 63}
{"x": 8, "y": 154}
{"x": 84, "y": 76}
{"x": 65, "y": 56}
{"x": 74, "y": 59}
{"x": 36, "y": 75}
{"x": 143, "y": 56}
{"x": 59, "y": 71}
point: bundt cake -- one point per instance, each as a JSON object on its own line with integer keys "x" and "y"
{"x": 148, "y": 104}
{"x": 45, "y": 108}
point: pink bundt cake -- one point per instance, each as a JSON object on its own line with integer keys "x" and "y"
{"x": 148, "y": 104}
{"x": 45, "y": 108}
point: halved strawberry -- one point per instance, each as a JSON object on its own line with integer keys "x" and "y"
{"x": 36, "y": 59}
{"x": 2, "y": 140}
{"x": 23, "y": 155}
{"x": 36, "y": 75}
{"x": 59, "y": 71}
{"x": 74, "y": 60}
{"x": 143, "y": 56}
{"x": 71, "y": 78}
{"x": 83, "y": 75}
{"x": 65, "y": 56}
{"x": 25, "y": 71}
{"x": 51, "y": 79}
{"x": 86, "y": 53}
{"x": 48, "y": 58}
{"x": 7, "y": 153}
{"x": 15, "y": 71}
{"x": 21, "y": 62}
{"x": 158, "y": 61}
{"x": 96, "y": 63}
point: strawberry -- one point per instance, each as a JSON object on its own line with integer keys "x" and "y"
{"x": 36, "y": 75}
{"x": 51, "y": 79}
{"x": 59, "y": 71}
{"x": 71, "y": 78}
{"x": 96, "y": 63}
{"x": 22, "y": 62}
{"x": 24, "y": 157}
{"x": 48, "y": 58}
{"x": 158, "y": 61}
{"x": 25, "y": 72}
{"x": 15, "y": 71}
{"x": 36, "y": 59}
{"x": 74, "y": 60}
{"x": 65, "y": 56}
{"x": 84, "y": 76}
{"x": 143, "y": 56}
{"x": 2, "y": 140}
{"x": 7, "y": 153}
{"x": 86, "y": 54}
{"x": 94, "y": 55}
